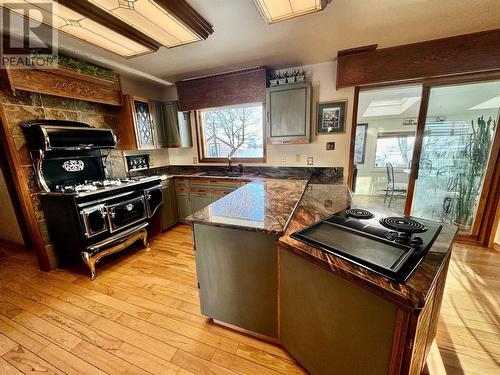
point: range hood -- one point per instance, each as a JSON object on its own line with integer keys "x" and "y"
{"x": 54, "y": 135}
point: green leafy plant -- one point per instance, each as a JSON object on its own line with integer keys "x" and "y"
{"x": 476, "y": 152}
{"x": 77, "y": 65}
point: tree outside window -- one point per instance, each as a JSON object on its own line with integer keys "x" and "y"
{"x": 236, "y": 132}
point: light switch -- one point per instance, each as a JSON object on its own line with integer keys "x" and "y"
{"x": 195, "y": 160}
{"x": 310, "y": 160}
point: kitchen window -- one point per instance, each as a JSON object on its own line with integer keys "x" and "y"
{"x": 395, "y": 148}
{"x": 236, "y": 131}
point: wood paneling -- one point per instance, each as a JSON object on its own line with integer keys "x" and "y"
{"x": 22, "y": 190}
{"x": 65, "y": 83}
{"x": 239, "y": 87}
{"x": 61, "y": 322}
{"x": 477, "y": 52}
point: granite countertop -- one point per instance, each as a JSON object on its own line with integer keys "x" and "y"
{"x": 321, "y": 201}
{"x": 262, "y": 205}
{"x": 283, "y": 206}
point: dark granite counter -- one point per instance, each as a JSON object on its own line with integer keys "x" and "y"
{"x": 321, "y": 201}
{"x": 262, "y": 205}
{"x": 283, "y": 206}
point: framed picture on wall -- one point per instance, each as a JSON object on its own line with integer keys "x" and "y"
{"x": 360, "y": 143}
{"x": 331, "y": 117}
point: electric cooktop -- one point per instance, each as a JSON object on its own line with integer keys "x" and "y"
{"x": 389, "y": 246}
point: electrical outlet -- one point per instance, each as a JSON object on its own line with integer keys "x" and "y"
{"x": 297, "y": 158}
{"x": 283, "y": 160}
{"x": 330, "y": 146}
{"x": 195, "y": 160}
{"x": 310, "y": 160}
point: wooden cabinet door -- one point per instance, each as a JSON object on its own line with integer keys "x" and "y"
{"x": 289, "y": 113}
{"x": 199, "y": 201}
{"x": 169, "y": 213}
{"x": 183, "y": 205}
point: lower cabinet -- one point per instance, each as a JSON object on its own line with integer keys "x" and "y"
{"x": 330, "y": 325}
{"x": 237, "y": 276}
{"x": 199, "y": 201}
{"x": 183, "y": 204}
{"x": 169, "y": 215}
{"x": 190, "y": 199}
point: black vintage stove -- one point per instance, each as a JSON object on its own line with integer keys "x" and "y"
{"x": 88, "y": 215}
{"x": 390, "y": 246}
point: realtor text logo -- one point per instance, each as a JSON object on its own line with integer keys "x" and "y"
{"x": 27, "y": 40}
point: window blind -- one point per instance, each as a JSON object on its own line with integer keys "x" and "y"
{"x": 232, "y": 88}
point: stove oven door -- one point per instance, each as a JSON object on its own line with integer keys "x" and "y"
{"x": 154, "y": 199}
{"x": 94, "y": 220}
{"x": 124, "y": 214}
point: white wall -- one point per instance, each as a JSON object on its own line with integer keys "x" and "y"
{"x": 9, "y": 227}
{"x": 323, "y": 78}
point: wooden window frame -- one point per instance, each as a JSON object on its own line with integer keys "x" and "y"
{"x": 483, "y": 232}
{"x": 201, "y": 144}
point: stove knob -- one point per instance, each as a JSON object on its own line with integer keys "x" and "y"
{"x": 391, "y": 235}
{"x": 415, "y": 244}
{"x": 418, "y": 239}
{"x": 402, "y": 238}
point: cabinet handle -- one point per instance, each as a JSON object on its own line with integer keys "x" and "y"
{"x": 267, "y": 116}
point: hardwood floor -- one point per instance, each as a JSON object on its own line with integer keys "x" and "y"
{"x": 141, "y": 316}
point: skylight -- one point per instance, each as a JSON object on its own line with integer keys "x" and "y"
{"x": 492, "y": 103}
{"x": 390, "y": 107}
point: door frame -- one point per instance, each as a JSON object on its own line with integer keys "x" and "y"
{"x": 482, "y": 229}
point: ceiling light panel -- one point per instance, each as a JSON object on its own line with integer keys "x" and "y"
{"x": 150, "y": 18}
{"x": 77, "y": 25}
{"x": 280, "y": 10}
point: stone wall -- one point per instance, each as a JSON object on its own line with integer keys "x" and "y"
{"x": 30, "y": 106}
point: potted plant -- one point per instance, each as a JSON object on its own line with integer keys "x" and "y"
{"x": 273, "y": 79}
{"x": 476, "y": 154}
{"x": 281, "y": 78}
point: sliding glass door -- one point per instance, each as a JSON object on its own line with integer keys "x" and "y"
{"x": 455, "y": 136}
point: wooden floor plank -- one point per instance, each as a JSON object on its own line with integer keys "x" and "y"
{"x": 142, "y": 316}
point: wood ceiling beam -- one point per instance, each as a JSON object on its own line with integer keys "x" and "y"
{"x": 181, "y": 10}
{"x": 103, "y": 18}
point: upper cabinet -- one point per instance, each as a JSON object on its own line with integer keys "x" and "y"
{"x": 146, "y": 125}
{"x": 135, "y": 127}
{"x": 289, "y": 113}
{"x": 173, "y": 128}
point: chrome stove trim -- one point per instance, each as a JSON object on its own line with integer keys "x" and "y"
{"x": 85, "y": 214}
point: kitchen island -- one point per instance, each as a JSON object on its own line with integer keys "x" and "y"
{"x": 333, "y": 316}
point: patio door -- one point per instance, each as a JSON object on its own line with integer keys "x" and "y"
{"x": 455, "y": 154}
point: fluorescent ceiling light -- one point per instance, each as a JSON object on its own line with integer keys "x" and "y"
{"x": 77, "y": 25}
{"x": 493, "y": 103}
{"x": 280, "y": 10}
{"x": 151, "y": 19}
{"x": 125, "y": 27}
{"x": 390, "y": 107}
